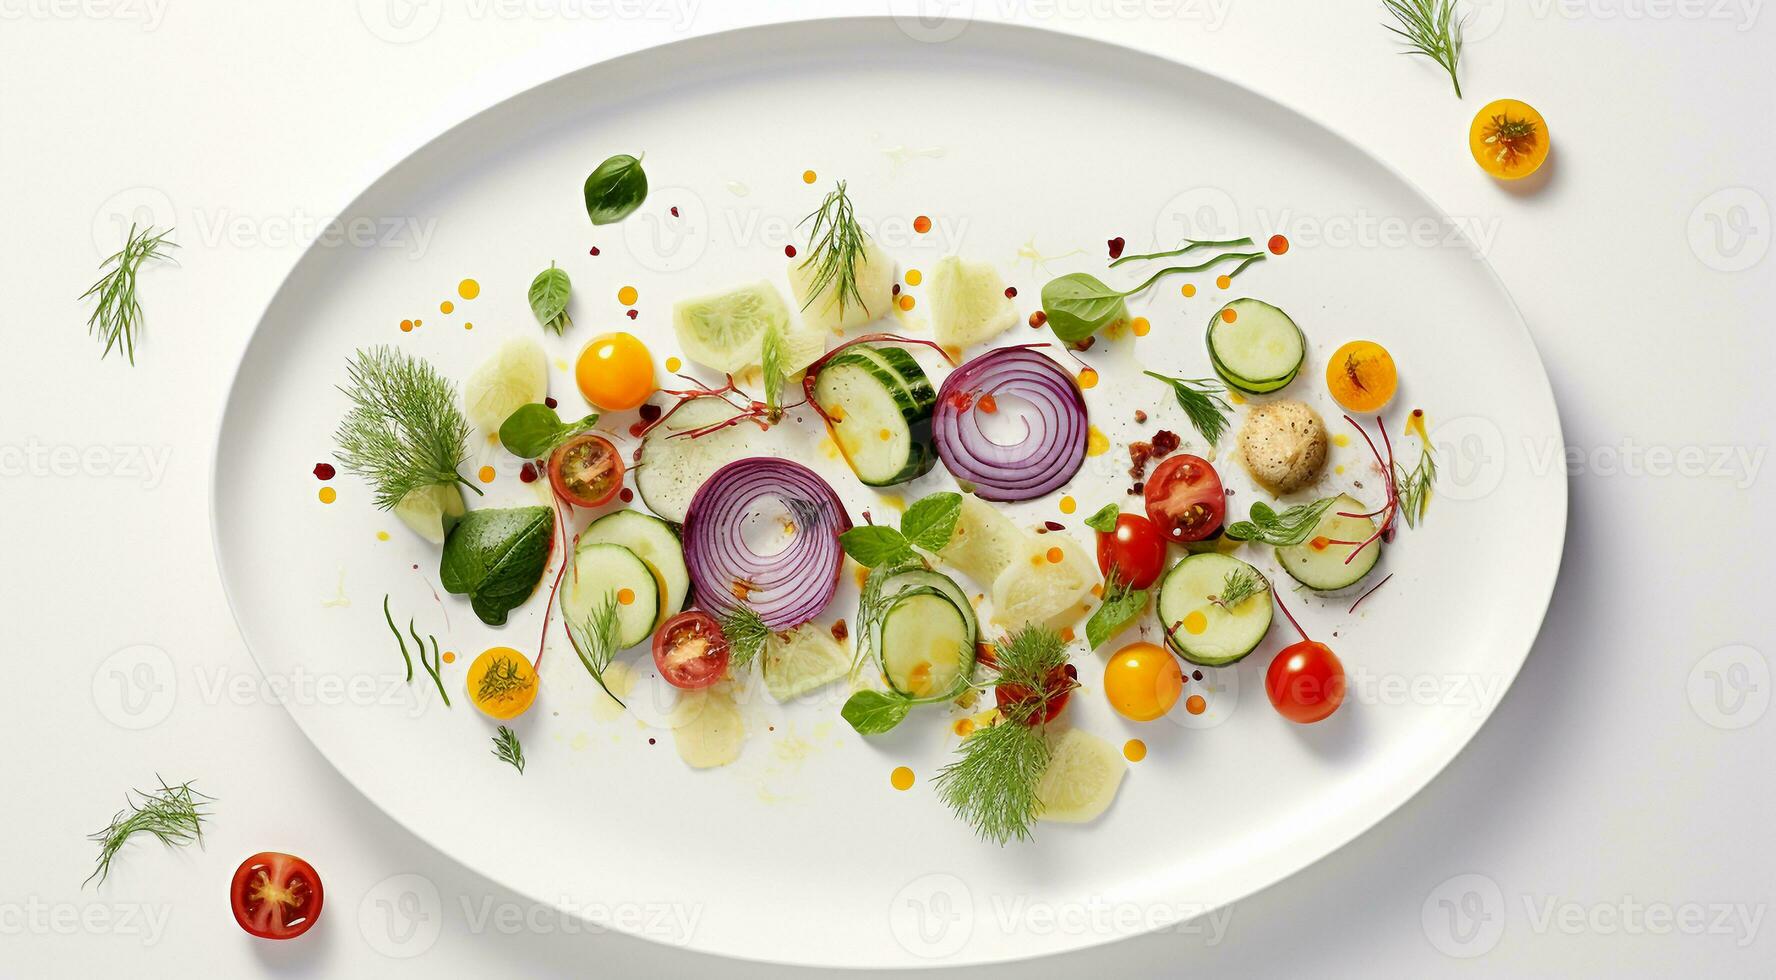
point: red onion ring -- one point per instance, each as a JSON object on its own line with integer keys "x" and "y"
{"x": 785, "y": 589}
{"x": 1053, "y": 445}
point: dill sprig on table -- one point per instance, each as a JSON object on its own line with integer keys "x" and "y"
{"x": 1201, "y": 400}
{"x": 174, "y": 814}
{"x": 507, "y": 749}
{"x": 1430, "y": 28}
{"x": 404, "y": 431}
{"x": 835, "y": 246}
{"x": 117, "y": 314}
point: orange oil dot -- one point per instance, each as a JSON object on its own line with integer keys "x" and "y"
{"x": 328, "y": 495}
{"x": 1134, "y": 750}
{"x": 1228, "y": 316}
{"x": 1222, "y": 282}
{"x": 921, "y": 224}
{"x": 1195, "y": 622}
{"x": 884, "y": 435}
{"x": 914, "y": 277}
{"x": 1068, "y": 505}
{"x": 809, "y": 176}
{"x": 987, "y": 403}
{"x": 1139, "y": 326}
{"x": 1067, "y": 634}
{"x": 1088, "y": 378}
{"x": 1189, "y": 290}
{"x": 486, "y": 474}
{"x": 406, "y": 326}
{"x": 964, "y": 727}
{"x": 627, "y": 296}
{"x": 1195, "y": 704}
{"x": 906, "y": 301}
{"x": 447, "y": 307}
{"x": 901, "y": 777}
{"x": 1278, "y": 244}
{"x": 626, "y": 597}
{"x": 1054, "y": 556}
{"x": 468, "y": 289}
{"x": 450, "y": 656}
{"x": 1098, "y": 590}
{"x": 418, "y": 322}
{"x": 468, "y": 326}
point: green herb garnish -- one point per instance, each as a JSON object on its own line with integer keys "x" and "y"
{"x": 1123, "y": 603}
{"x": 615, "y": 189}
{"x": 432, "y": 664}
{"x": 503, "y": 677}
{"x": 496, "y": 557}
{"x": 1188, "y": 246}
{"x": 549, "y": 292}
{"x": 1431, "y": 29}
{"x": 1239, "y": 585}
{"x": 1105, "y": 519}
{"x": 993, "y": 785}
{"x": 746, "y": 634}
{"x": 1291, "y": 527}
{"x": 835, "y": 245}
{"x": 929, "y": 523}
{"x": 1414, "y": 486}
{"x": 771, "y": 368}
{"x": 507, "y": 749}
{"x": 396, "y": 630}
{"x": 117, "y": 314}
{"x": 1201, "y": 400}
{"x": 174, "y": 814}
{"x": 1028, "y": 656}
{"x": 1079, "y": 304}
{"x": 403, "y": 432}
{"x": 533, "y": 431}
{"x": 594, "y": 639}
{"x": 875, "y": 712}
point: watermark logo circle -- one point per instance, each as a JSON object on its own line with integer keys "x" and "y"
{"x": 401, "y": 916}
{"x": 1483, "y": 19}
{"x": 1729, "y": 230}
{"x": 1219, "y": 689}
{"x": 1198, "y": 214}
{"x": 932, "y": 21}
{"x": 662, "y": 241}
{"x": 1729, "y": 688}
{"x": 1464, "y": 917}
{"x": 401, "y": 21}
{"x": 1470, "y": 457}
{"x": 136, "y": 687}
{"x": 932, "y": 916}
{"x": 140, "y": 207}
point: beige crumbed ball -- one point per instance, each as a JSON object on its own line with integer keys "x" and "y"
{"x": 1284, "y": 445}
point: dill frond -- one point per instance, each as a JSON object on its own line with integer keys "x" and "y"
{"x": 1029, "y": 655}
{"x": 1238, "y": 586}
{"x": 835, "y": 246}
{"x": 594, "y": 639}
{"x": 117, "y": 313}
{"x": 1415, "y": 486}
{"x": 993, "y": 785}
{"x": 507, "y": 749}
{"x": 174, "y": 814}
{"x": 1201, "y": 400}
{"x": 1430, "y": 28}
{"x": 746, "y": 634}
{"x": 404, "y": 431}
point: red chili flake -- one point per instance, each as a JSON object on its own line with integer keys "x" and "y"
{"x": 675, "y": 211}
{"x": 635, "y": 429}
{"x": 789, "y": 250}
{"x": 1011, "y": 292}
{"x": 962, "y": 400}
{"x": 1038, "y": 318}
{"x": 988, "y": 403}
{"x": 550, "y": 401}
{"x": 1140, "y": 451}
{"x": 325, "y": 471}
{"x": 1085, "y": 344}
{"x": 650, "y": 412}
{"x": 1116, "y": 245}
{"x": 894, "y": 290}
{"x": 1140, "y": 416}
{"x": 633, "y": 314}
{"x": 1138, "y": 489}
{"x": 1054, "y": 525}
{"x": 839, "y": 631}
{"x": 594, "y": 250}
{"x": 1164, "y": 442}
{"x": 527, "y": 473}
{"x": 625, "y": 495}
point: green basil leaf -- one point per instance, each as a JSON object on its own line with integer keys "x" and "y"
{"x": 1291, "y": 527}
{"x": 548, "y": 298}
{"x": 615, "y": 189}
{"x": 1105, "y": 519}
{"x": 496, "y": 557}
{"x": 874, "y": 712}
{"x": 873, "y": 545}
{"x": 1079, "y": 304}
{"x": 931, "y": 522}
{"x": 1121, "y": 606}
{"x": 534, "y": 430}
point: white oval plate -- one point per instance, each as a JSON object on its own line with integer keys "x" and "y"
{"x": 1015, "y": 142}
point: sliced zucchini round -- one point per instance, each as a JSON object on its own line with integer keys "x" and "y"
{"x": 654, "y": 541}
{"x": 926, "y": 648}
{"x": 1198, "y": 627}
{"x": 1260, "y": 350}
{"x": 878, "y": 402}
{"x": 1322, "y": 562}
{"x": 603, "y": 570}
{"x": 925, "y": 579}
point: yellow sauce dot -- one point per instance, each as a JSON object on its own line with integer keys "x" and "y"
{"x": 1188, "y": 290}
{"x": 468, "y": 326}
{"x": 673, "y": 364}
{"x": 964, "y": 727}
{"x": 626, "y": 597}
{"x": 1140, "y": 326}
{"x": 1098, "y": 590}
{"x": 1134, "y": 750}
{"x": 418, "y": 322}
{"x": 901, "y": 777}
{"x": 468, "y": 289}
{"x": 382, "y": 535}
{"x": 486, "y": 474}
{"x": 450, "y": 656}
{"x": 1195, "y": 623}
{"x": 914, "y": 277}
{"x": 884, "y": 435}
{"x": 906, "y": 302}
{"x": 1088, "y": 378}
{"x": 1341, "y": 440}
{"x": 1096, "y": 442}
{"x": 1222, "y": 282}
{"x": 1235, "y": 397}
{"x": 328, "y": 495}
{"x": 406, "y": 326}
{"x": 809, "y": 176}
{"x": 447, "y": 307}
{"x": 627, "y": 296}
{"x": 1068, "y": 505}
{"x": 1195, "y": 704}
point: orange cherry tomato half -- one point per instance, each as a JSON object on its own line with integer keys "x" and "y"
{"x": 275, "y": 896}
{"x": 615, "y": 372}
{"x": 586, "y": 471}
{"x": 690, "y": 650}
{"x": 1305, "y": 682}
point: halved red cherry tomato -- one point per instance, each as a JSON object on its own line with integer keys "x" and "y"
{"x": 1135, "y": 549}
{"x": 1057, "y": 688}
{"x": 690, "y": 650}
{"x": 1184, "y": 497}
{"x": 275, "y": 896}
{"x": 1305, "y": 682}
{"x": 586, "y": 471}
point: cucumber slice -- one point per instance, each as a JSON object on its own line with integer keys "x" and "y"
{"x": 670, "y": 470}
{"x": 1260, "y": 351}
{"x": 879, "y": 402}
{"x": 600, "y": 570}
{"x": 924, "y": 579}
{"x": 926, "y": 647}
{"x": 968, "y": 303}
{"x": 726, "y": 331}
{"x": 1201, "y": 631}
{"x": 655, "y": 542}
{"x": 1324, "y": 568}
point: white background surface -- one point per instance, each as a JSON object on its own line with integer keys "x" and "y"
{"x": 1616, "y": 808}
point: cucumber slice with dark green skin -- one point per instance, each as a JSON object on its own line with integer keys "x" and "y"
{"x": 927, "y": 649}
{"x": 878, "y": 402}
{"x": 924, "y": 578}
{"x": 604, "y": 570}
{"x": 1260, "y": 351}
{"x": 1328, "y": 566}
{"x": 654, "y": 541}
{"x": 1198, "y": 628}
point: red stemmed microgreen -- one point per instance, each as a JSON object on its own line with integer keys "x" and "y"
{"x": 1389, "y": 512}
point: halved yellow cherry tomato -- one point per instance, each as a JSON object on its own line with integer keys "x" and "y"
{"x": 615, "y": 372}
{"x": 1142, "y": 681}
{"x": 502, "y": 683}
{"x": 1361, "y": 376}
{"x": 1509, "y": 139}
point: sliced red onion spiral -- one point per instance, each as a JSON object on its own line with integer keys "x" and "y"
{"x": 1053, "y": 443}
{"x": 786, "y": 588}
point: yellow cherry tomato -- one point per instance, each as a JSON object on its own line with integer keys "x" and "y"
{"x": 1509, "y": 139}
{"x": 1361, "y": 376}
{"x": 615, "y": 372}
{"x": 502, "y": 683}
{"x": 1142, "y": 681}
